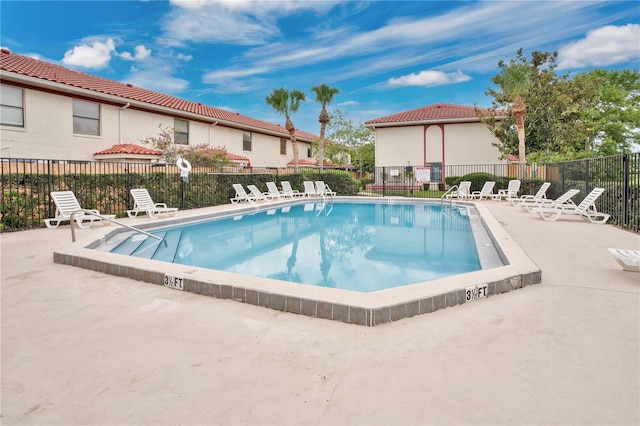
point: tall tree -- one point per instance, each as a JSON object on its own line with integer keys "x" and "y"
{"x": 515, "y": 80}
{"x": 287, "y": 102}
{"x": 358, "y": 140}
{"x": 324, "y": 96}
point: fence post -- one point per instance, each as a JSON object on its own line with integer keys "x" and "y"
{"x": 625, "y": 190}
{"x": 384, "y": 180}
{"x": 586, "y": 176}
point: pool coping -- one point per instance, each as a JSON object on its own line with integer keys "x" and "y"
{"x": 367, "y": 309}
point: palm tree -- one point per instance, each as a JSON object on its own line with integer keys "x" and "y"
{"x": 287, "y": 102}
{"x": 515, "y": 81}
{"x": 324, "y": 95}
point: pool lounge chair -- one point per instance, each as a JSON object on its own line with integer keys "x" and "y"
{"x": 563, "y": 201}
{"x": 273, "y": 192}
{"x": 462, "y": 192}
{"x": 540, "y": 195}
{"x": 287, "y": 191}
{"x": 485, "y": 192}
{"x": 241, "y": 195}
{"x": 66, "y": 204}
{"x": 628, "y": 259}
{"x": 142, "y": 203}
{"x": 257, "y": 194}
{"x": 510, "y": 193}
{"x": 322, "y": 189}
{"x": 309, "y": 189}
{"x": 586, "y": 209}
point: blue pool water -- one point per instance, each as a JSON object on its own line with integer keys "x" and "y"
{"x": 355, "y": 246}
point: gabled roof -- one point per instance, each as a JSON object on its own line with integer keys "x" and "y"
{"x": 129, "y": 148}
{"x": 438, "y": 113}
{"x": 124, "y": 92}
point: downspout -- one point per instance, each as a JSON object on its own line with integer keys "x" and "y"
{"x": 127, "y": 105}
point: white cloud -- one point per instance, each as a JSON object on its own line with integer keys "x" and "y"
{"x": 95, "y": 55}
{"x": 429, "y": 78}
{"x": 141, "y": 53}
{"x": 158, "y": 81}
{"x": 236, "y": 22}
{"x": 349, "y": 103}
{"x": 608, "y": 45}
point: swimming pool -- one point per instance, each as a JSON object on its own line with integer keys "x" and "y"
{"x": 503, "y": 265}
{"x": 354, "y": 246}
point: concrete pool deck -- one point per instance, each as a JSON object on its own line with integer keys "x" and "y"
{"x": 81, "y": 347}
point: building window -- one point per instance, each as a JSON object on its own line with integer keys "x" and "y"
{"x": 86, "y": 117}
{"x": 12, "y": 110}
{"x": 180, "y": 132}
{"x": 283, "y": 146}
{"x": 246, "y": 141}
{"x": 309, "y": 153}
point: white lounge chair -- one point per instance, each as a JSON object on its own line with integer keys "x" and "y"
{"x": 287, "y": 191}
{"x": 628, "y": 259}
{"x": 309, "y": 189}
{"x": 241, "y": 195}
{"x": 461, "y": 192}
{"x": 66, "y": 204}
{"x": 257, "y": 194}
{"x": 510, "y": 193}
{"x": 586, "y": 209}
{"x": 563, "y": 201}
{"x": 142, "y": 203}
{"x": 322, "y": 189}
{"x": 540, "y": 195}
{"x": 273, "y": 191}
{"x": 485, "y": 192}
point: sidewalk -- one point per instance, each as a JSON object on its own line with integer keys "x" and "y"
{"x": 80, "y": 347}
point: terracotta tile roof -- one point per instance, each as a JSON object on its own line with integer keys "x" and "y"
{"x": 432, "y": 113}
{"x": 14, "y": 63}
{"x": 129, "y": 148}
{"x": 315, "y": 163}
{"x": 236, "y": 157}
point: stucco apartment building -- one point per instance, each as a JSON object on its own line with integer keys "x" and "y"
{"x": 441, "y": 133}
{"x": 52, "y": 112}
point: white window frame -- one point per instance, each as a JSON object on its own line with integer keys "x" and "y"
{"x": 9, "y": 103}
{"x": 82, "y": 119}
{"x": 180, "y": 137}
{"x": 247, "y": 141}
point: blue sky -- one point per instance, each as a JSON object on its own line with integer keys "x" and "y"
{"x": 384, "y": 56}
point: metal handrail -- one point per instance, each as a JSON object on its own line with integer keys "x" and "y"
{"x": 454, "y": 187}
{"x": 73, "y": 230}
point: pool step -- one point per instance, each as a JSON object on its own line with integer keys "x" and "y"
{"x": 130, "y": 245}
{"x": 148, "y": 247}
{"x": 168, "y": 252}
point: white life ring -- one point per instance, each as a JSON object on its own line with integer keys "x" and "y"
{"x": 183, "y": 165}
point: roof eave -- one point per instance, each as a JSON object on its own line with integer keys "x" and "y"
{"x": 423, "y": 122}
{"x": 65, "y": 88}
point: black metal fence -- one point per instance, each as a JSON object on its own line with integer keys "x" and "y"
{"x": 26, "y": 184}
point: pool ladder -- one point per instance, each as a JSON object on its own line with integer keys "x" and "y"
{"x": 449, "y": 191}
